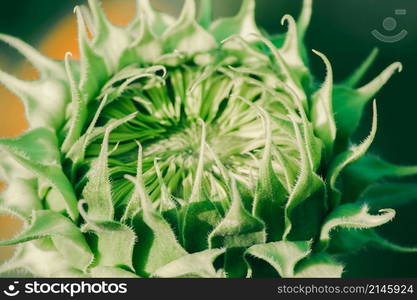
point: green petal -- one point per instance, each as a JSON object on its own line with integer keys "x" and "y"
{"x": 306, "y": 185}
{"x": 198, "y": 219}
{"x": 158, "y": 21}
{"x": 322, "y": 115}
{"x": 46, "y": 66}
{"x": 238, "y": 228}
{"x": 115, "y": 243}
{"x": 11, "y": 169}
{"x": 238, "y": 50}
{"x": 157, "y": 245}
{"x": 90, "y": 63}
{"x": 44, "y": 99}
{"x": 270, "y": 194}
{"x": 77, "y": 149}
{"x": 243, "y": 24}
{"x": 98, "y": 191}
{"x": 291, "y": 50}
{"x": 78, "y": 107}
{"x": 197, "y": 190}
{"x": 369, "y": 90}
{"x": 303, "y": 23}
{"x": 307, "y": 217}
{"x": 186, "y": 36}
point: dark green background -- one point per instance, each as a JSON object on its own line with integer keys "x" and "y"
{"x": 340, "y": 29}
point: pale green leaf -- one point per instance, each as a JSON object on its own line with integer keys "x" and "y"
{"x": 303, "y": 22}
{"x": 90, "y": 63}
{"x": 147, "y": 47}
{"x": 46, "y": 66}
{"x": 292, "y": 49}
{"x": 198, "y": 264}
{"x": 109, "y": 40}
{"x": 98, "y": 191}
{"x": 243, "y": 24}
{"x": 322, "y": 109}
{"x": 157, "y": 245}
{"x": 78, "y": 107}
{"x": 306, "y": 185}
{"x": 29, "y": 260}
{"x": 319, "y": 265}
{"x": 186, "y": 36}
{"x": 348, "y": 104}
{"x": 197, "y": 221}
{"x": 283, "y": 255}
{"x": 37, "y": 151}
{"x": 348, "y": 157}
{"x": 369, "y": 170}
{"x": 353, "y": 215}
{"x": 65, "y": 235}
{"x": 270, "y": 194}
{"x": 206, "y": 11}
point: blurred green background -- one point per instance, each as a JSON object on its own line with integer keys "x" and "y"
{"x": 341, "y": 30}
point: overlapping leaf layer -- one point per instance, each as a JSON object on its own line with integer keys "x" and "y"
{"x": 192, "y": 148}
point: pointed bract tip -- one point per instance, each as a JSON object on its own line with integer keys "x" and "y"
{"x": 376, "y": 84}
{"x": 68, "y": 55}
{"x": 325, "y": 60}
{"x": 188, "y": 10}
{"x": 247, "y": 6}
{"x": 287, "y": 19}
{"x": 399, "y": 66}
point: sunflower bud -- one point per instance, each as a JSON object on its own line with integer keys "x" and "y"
{"x": 191, "y": 148}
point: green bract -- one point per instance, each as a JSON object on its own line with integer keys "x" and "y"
{"x": 192, "y": 148}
